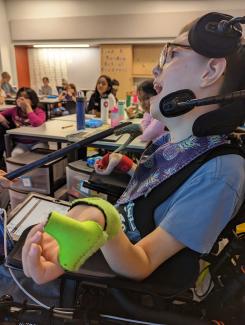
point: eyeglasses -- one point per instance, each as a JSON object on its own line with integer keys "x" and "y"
{"x": 166, "y": 54}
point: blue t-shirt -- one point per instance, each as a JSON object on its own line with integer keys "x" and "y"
{"x": 200, "y": 209}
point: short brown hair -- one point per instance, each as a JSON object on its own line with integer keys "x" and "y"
{"x": 5, "y": 74}
{"x": 234, "y": 77}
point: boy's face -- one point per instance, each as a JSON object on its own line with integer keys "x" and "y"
{"x": 179, "y": 68}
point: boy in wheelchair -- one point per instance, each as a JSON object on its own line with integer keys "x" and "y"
{"x": 160, "y": 227}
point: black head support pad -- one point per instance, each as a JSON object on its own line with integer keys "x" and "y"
{"x": 169, "y": 104}
{"x": 215, "y": 36}
{"x": 218, "y": 35}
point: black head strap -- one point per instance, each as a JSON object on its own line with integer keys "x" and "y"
{"x": 214, "y": 37}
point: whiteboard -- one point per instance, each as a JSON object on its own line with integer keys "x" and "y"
{"x": 80, "y": 66}
{"x": 83, "y": 67}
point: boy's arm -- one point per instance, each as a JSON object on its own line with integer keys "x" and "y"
{"x": 135, "y": 261}
{"x": 40, "y": 261}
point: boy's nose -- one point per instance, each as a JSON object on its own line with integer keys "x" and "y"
{"x": 156, "y": 71}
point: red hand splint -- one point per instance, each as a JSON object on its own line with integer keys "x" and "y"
{"x": 103, "y": 163}
{"x": 124, "y": 165}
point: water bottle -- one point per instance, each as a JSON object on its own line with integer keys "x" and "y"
{"x": 104, "y": 109}
{"x": 121, "y": 107}
{"x": 80, "y": 111}
{"x": 114, "y": 117}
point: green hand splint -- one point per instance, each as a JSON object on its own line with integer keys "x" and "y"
{"x": 77, "y": 240}
{"x": 112, "y": 218}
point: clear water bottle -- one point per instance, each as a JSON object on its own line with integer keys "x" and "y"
{"x": 104, "y": 109}
{"x": 121, "y": 108}
{"x": 80, "y": 111}
{"x": 114, "y": 117}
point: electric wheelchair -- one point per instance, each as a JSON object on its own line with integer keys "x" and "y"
{"x": 179, "y": 292}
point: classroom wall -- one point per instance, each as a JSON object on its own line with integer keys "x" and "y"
{"x": 99, "y": 20}
{"x": 28, "y": 9}
{"x": 22, "y": 66}
{"x": 6, "y": 48}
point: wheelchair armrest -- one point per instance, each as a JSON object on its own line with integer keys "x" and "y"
{"x": 167, "y": 280}
{"x": 113, "y": 184}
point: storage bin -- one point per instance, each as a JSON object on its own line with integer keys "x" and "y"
{"x": 45, "y": 179}
{"x": 76, "y": 173}
{"x": 16, "y": 197}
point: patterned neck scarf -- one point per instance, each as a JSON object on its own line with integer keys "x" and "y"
{"x": 164, "y": 159}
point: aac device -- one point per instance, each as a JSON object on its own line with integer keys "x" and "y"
{"x": 35, "y": 209}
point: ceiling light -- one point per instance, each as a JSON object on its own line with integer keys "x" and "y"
{"x": 61, "y": 45}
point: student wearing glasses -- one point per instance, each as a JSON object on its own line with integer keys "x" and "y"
{"x": 195, "y": 214}
{"x": 26, "y": 113}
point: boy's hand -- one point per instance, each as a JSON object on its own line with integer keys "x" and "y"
{"x": 108, "y": 163}
{"x": 40, "y": 256}
{"x": 24, "y": 104}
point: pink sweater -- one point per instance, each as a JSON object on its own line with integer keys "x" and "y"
{"x": 35, "y": 118}
{"x": 152, "y": 128}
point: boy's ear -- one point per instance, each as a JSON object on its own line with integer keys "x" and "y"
{"x": 215, "y": 68}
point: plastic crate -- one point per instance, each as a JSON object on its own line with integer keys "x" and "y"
{"x": 16, "y": 197}
{"x": 77, "y": 173}
{"x": 45, "y": 179}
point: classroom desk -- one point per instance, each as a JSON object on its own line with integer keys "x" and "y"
{"x": 4, "y": 107}
{"x": 10, "y": 100}
{"x": 52, "y": 130}
{"x": 135, "y": 146}
{"x": 47, "y": 102}
{"x": 71, "y": 117}
{"x": 58, "y": 130}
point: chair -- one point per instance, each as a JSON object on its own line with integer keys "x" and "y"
{"x": 167, "y": 296}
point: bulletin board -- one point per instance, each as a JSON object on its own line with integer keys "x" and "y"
{"x": 116, "y": 62}
{"x": 145, "y": 57}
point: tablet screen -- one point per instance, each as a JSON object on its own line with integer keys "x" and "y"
{"x": 35, "y": 210}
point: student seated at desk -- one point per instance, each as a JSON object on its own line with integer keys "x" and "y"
{"x": 115, "y": 86}
{"x": 46, "y": 89}
{"x": 9, "y": 90}
{"x": 103, "y": 88}
{"x": 68, "y": 96}
{"x": 26, "y": 113}
{"x": 151, "y": 127}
